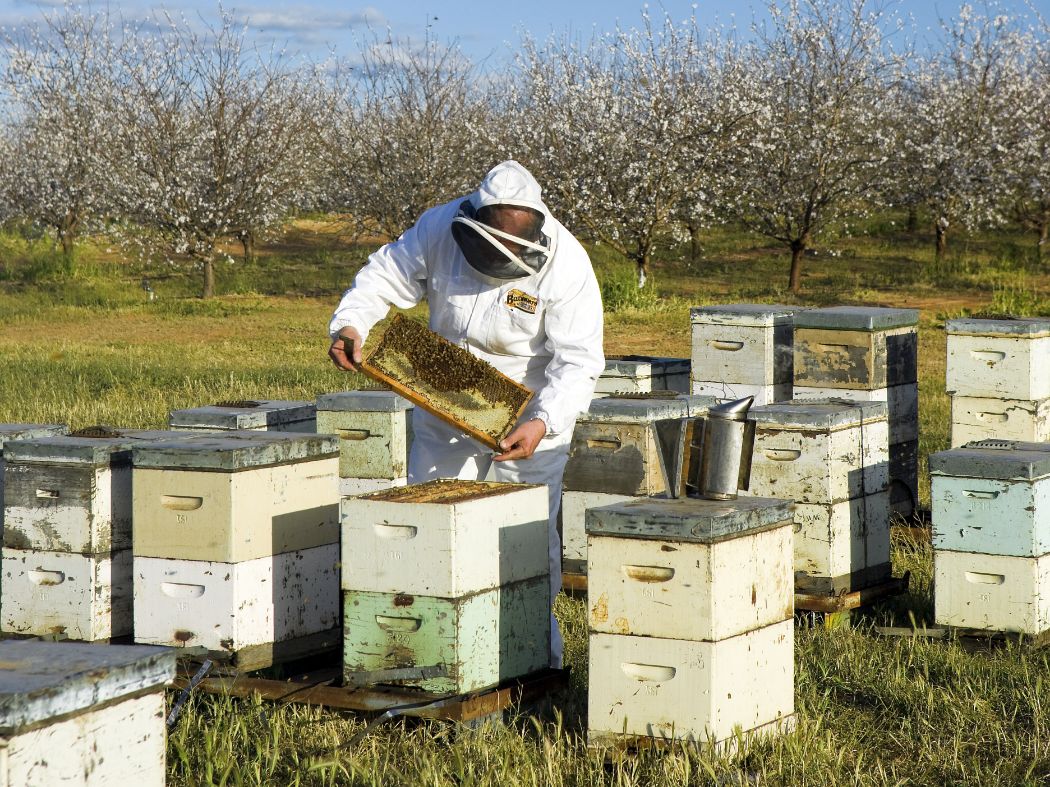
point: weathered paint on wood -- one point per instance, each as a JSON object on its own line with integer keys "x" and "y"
{"x": 998, "y": 366}
{"x": 759, "y": 355}
{"x": 834, "y": 358}
{"x": 352, "y": 487}
{"x": 981, "y": 418}
{"x": 230, "y": 606}
{"x": 992, "y": 516}
{"x": 233, "y": 450}
{"x": 480, "y": 639}
{"x": 687, "y": 518}
{"x": 835, "y": 543}
{"x": 445, "y": 549}
{"x": 615, "y": 458}
{"x": 574, "y": 507}
{"x": 371, "y": 444}
{"x": 691, "y": 691}
{"x": 21, "y": 432}
{"x": 230, "y": 517}
{"x": 992, "y": 592}
{"x": 641, "y": 374}
{"x": 261, "y": 415}
{"x": 904, "y": 477}
{"x": 902, "y": 405}
{"x": 683, "y": 590}
{"x": 762, "y": 394}
{"x": 85, "y": 597}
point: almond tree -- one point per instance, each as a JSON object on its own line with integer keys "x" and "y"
{"x": 1030, "y": 156}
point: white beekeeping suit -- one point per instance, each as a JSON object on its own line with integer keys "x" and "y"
{"x": 537, "y": 318}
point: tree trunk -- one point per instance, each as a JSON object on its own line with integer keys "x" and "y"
{"x": 1044, "y": 240}
{"x": 643, "y": 268}
{"x": 65, "y": 237}
{"x": 209, "y": 277}
{"x": 694, "y": 243}
{"x": 941, "y": 228}
{"x": 798, "y": 247}
{"x": 913, "y": 219}
{"x": 248, "y": 243}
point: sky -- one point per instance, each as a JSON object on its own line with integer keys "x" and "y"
{"x": 485, "y": 31}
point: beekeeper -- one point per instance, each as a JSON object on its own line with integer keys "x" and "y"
{"x": 505, "y": 280}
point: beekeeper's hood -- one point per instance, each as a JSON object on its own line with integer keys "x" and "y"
{"x": 491, "y": 252}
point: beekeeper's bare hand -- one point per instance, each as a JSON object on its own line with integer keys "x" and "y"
{"x": 345, "y": 351}
{"x": 522, "y": 442}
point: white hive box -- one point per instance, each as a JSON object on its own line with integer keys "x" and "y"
{"x": 689, "y": 568}
{"x": 842, "y": 546}
{"x": 257, "y": 415}
{"x": 574, "y": 506}
{"x": 902, "y": 405}
{"x": 643, "y": 373}
{"x": 1001, "y": 359}
{"x": 979, "y": 418}
{"x": 21, "y": 432}
{"x": 82, "y": 714}
{"x": 674, "y": 689}
{"x": 85, "y": 597}
{"x": 353, "y": 487}
{"x": 856, "y": 347}
{"x": 231, "y": 496}
{"x": 614, "y": 446}
{"x": 991, "y": 592}
{"x": 742, "y": 344}
{"x": 762, "y": 394}
{"x": 820, "y": 451}
{"x": 992, "y": 497}
{"x": 374, "y": 430}
{"x": 233, "y": 606}
{"x": 445, "y": 538}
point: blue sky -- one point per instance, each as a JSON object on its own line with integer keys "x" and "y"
{"x": 489, "y": 30}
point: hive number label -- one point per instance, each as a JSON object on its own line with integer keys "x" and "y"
{"x": 652, "y": 689}
{"x": 394, "y": 555}
{"x": 180, "y": 518}
{"x": 648, "y": 593}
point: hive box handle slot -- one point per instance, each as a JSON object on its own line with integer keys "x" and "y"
{"x": 396, "y": 532}
{"x": 648, "y": 672}
{"x": 648, "y": 573}
{"x": 988, "y": 356}
{"x": 40, "y": 577}
{"x": 608, "y": 444}
{"x": 181, "y": 590}
{"x": 782, "y": 454}
{"x": 833, "y": 347}
{"x": 977, "y": 578}
{"x": 399, "y": 624}
{"x": 47, "y": 494}
{"x": 181, "y": 502}
{"x": 981, "y": 494}
{"x": 999, "y": 418}
{"x": 354, "y": 434}
{"x": 727, "y": 346}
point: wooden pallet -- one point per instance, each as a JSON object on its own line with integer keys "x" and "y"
{"x": 573, "y": 582}
{"x": 267, "y": 654}
{"x": 969, "y": 638}
{"x": 844, "y": 602}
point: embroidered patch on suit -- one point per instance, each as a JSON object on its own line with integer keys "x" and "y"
{"x": 517, "y": 299}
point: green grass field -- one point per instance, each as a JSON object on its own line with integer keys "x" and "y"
{"x": 80, "y": 344}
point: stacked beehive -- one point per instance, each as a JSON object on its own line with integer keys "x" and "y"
{"x": 73, "y": 713}
{"x": 991, "y": 536}
{"x": 832, "y": 459}
{"x": 21, "y": 432}
{"x": 446, "y": 585}
{"x": 743, "y": 349}
{"x": 614, "y": 457}
{"x": 642, "y": 374}
{"x": 67, "y": 534}
{"x": 236, "y": 543}
{"x": 375, "y": 436}
{"x": 691, "y": 631}
{"x": 269, "y": 415}
{"x": 867, "y": 354}
{"x": 998, "y": 377}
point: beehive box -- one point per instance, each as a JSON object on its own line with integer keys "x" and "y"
{"x": 743, "y": 344}
{"x": 84, "y": 597}
{"x": 574, "y": 506}
{"x": 445, "y": 538}
{"x": 820, "y": 451}
{"x": 700, "y": 692}
{"x": 21, "y": 432}
{"x": 233, "y": 606}
{"x": 374, "y": 430}
{"x": 992, "y": 497}
{"x": 447, "y": 381}
{"x": 1000, "y": 359}
{"x": 842, "y": 547}
{"x": 248, "y": 414}
{"x": 689, "y": 568}
{"x": 856, "y": 347}
{"x": 991, "y": 592}
{"x": 902, "y": 405}
{"x": 82, "y": 714}
{"x": 904, "y": 477}
{"x": 762, "y": 394}
{"x": 614, "y": 447}
{"x": 235, "y": 496}
{"x": 642, "y": 374}
{"x": 480, "y": 639}
{"x": 353, "y": 487}
{"x": 979, "y": 418}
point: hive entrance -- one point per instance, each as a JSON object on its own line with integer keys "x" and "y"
{"x": 239, "y": 403}
{"x": 97, "y": 432}
{"x": 659, "y": 393}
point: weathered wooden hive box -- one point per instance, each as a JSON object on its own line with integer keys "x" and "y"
{"x": 257, "y": 415}
{"x": 641, "y": 374}
{"x": 21, "y": 432}
{"x": 743, "y": 349}
{"x": 447, "y": 574}
{"x": 832, "y": 458}
{"x": 690, "y": 608}
{"x": 999, "y": 359}
{"x": 375, "y": 437}
{"x": 979, "y": 417}
{"x": 81, "y": 714}
{"x": 67, "y": 535}
{"x": 991, "y": 536}
{"x": 237, "y": 543}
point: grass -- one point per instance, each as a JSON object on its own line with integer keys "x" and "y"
{"x": 79, "y": 343}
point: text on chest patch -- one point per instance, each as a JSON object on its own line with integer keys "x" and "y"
{"x": 517, "y": 299}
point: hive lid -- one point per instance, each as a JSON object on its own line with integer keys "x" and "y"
{"x": 994, "y": 459}
{"x": 41, "y": 680}
{"x": 687, "y": 518}
{"x": 643, "y": 365}
{"x": 1027, "y": 327}
{"x": 28, "y": 432}
{"x": 645, "y": 409}
{"x": 822, "y": 414}
{"x": 234, "y": 450}
{"x": 445, "y": 491}
{"x": 244, "y": 414}
{"x": 744, "y": 314}
{"x": 363, "y": 402}
{"x": 112, "y": 447}
{"x": 857, "y": 318}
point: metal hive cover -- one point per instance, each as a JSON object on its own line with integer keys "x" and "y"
{"x": 857, "y": 318}
{"x": 817, "y": 413}
{"x": 28, "y": 432}
{"x": 63, "y": 449}
{"x": 447, "y": 381}
{"x": 1027, "y": 327}
{"x": 994, "y": 459}
{"x": 243, "y": 414}
{"x": 645, "y": 410}
{"x": 687, "y": 518}
{"x": 233, "y": 450}
{"x": 363, "y": 402}
{"x": 744, "y": 314}
{"x": 444, "y": 491}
